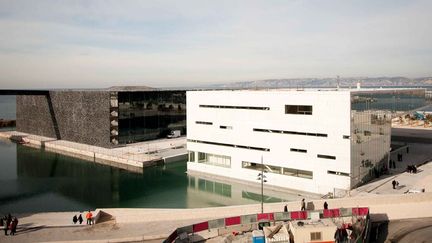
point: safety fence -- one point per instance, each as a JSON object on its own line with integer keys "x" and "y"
{"x": 274, "y": 216}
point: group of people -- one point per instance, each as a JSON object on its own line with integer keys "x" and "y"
{"x": 9, "y": 223}
{"x": 303, "y": 206}
{"x": 412, "y": 169}
{"x": 89, "y": 217}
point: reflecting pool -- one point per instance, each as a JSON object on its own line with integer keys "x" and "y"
{"x": 34, "y": 180}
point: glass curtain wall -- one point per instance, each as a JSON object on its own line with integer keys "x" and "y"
{"x": 371, "y": 114}
{"x": 147, "y": 115}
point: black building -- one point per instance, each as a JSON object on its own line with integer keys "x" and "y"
{"x": 105, "y": 118}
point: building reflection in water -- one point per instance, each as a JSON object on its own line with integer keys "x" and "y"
{"x": 202, "y": 190}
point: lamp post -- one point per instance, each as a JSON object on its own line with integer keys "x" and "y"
{"x": 262, "y": 177}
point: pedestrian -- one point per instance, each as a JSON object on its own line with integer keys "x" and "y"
{"x": 75, "y": 219}
{"x": 407, "y": 149}
{"x": 80, "y": 219}
{"x": 89, "y": 216}
{"x": 325, "y": 205}
{"x": 8, "y": 223}
{"x": 14, "y": 225}
{"x": 303, "y": 205}
{"x": 286, "y": 208}
{"x": 394, "y": 184}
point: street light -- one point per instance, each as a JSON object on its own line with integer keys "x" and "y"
{"x": 262, "y": 177}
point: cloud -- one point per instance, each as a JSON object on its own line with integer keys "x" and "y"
{"x": 177, "y": 43}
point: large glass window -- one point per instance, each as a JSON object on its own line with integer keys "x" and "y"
{"x": 278, "y": 170}
{"x": 214, "y": 159}
{"x": 147, "y": 115}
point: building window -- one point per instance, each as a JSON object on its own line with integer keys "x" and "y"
{"x": 214, "y": 159}
{"x": 229, "y": 145}
{"x": 204, "y": 123}
{"x": 191, "y": 156}
{"x": 236, "y": 107}
{"x": 291, "y": 132}
{"x": 298, "y": 173}
{"x": 226, "y": 127}
{"x": 337, "y": 173}
{"x": 277, "y": 170}
{"x": 298, "y": 150}
{"x": 298, "y": 109}
{"x": 315, "y": 236}
{"x": 323, "y": 156}
{"x": 346, "y": 137}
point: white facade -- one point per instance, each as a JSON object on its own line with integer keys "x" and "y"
{"x": 229, "y": 132}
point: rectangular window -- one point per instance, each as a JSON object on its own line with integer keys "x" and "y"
{"x": 229, "y": 145}
{"x": 322, "y": 156}
{"x": 346, "y": 137}
{"x": 337, "y": 173}
{"x": 236, "y": 107}
{"x": 298, "y": 109}
{"x": 291, "y": 132}
{"x": 278, "y": 170}
{"x": 315, "y": 236}
{"x": 225, "y": 127}
{"x": 214, "y": 159}
{"x": 204, "y": 123}
{"x": 298, "y": 150}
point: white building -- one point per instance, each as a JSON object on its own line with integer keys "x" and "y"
{"x": 314, "y": 141}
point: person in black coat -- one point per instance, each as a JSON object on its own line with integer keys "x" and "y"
{"x": 325, "y": 205}
{"x": 80, "y": 219}
{"x": 75, "y": 219}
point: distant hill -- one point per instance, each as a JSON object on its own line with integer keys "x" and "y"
{"x": 328, "y": 82}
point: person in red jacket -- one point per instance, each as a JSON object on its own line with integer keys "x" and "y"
{"x": 89, "y": 216}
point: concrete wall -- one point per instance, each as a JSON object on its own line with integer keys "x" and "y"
{"x": 81, "y": 116}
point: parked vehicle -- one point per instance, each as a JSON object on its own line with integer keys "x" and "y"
{"x": 174, "y": 134}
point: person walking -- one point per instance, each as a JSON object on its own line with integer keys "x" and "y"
{"x": 303, "y": 205}
{"x": 89, "y": 216}
{"x": 80, "y": 219}
{"x": 325, "y": 205}
{"x": 8, "y": 223}
{"x": 286, "y": 208}
{"x": 75, "y": 219}
{"x": 394, "y": 184}
{"x": 14, "y": 225}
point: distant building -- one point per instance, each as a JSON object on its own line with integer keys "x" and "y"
{"x": 105, "y": 118}
{"x": 318, "y": 141}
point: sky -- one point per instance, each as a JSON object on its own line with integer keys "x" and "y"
{"x": 98, "y": 44}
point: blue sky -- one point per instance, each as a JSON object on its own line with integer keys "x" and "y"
{"x": 96, "y": 44}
